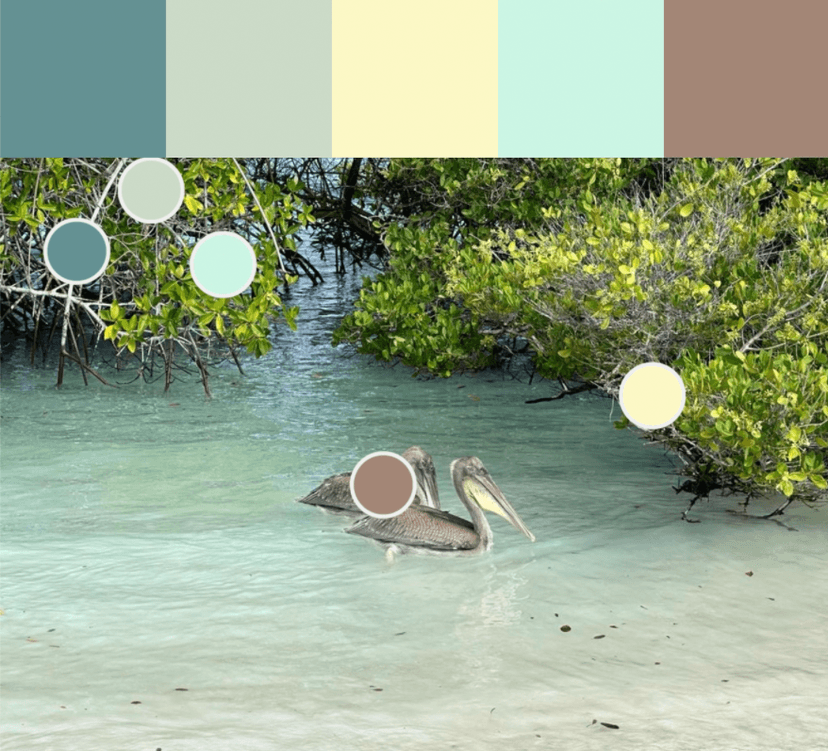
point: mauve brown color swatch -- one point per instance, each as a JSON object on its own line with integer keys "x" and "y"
{"x": 383, "y": 484}
{"x": 745, "y": 77}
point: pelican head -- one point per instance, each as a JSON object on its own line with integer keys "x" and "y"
{"x": 472, "y": 479}
{"x": 423, "y": 465}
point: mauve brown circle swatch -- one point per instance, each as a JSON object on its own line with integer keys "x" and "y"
{"x": 383, "y": 484}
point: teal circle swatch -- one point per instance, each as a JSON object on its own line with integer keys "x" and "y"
{"x": 76, "y": 251}
{"x": 223, "y": 264}
{"x": 151, "y": 190}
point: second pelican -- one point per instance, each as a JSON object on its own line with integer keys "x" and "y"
{"x": 428, "y": 530}
{"x": 334, "y": 494}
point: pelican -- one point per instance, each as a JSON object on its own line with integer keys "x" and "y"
{"x": 420, "y": 529}
{"x": 334, "y": 494}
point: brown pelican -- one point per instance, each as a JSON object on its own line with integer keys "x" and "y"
{"x": 420, "y": 529}
{"x": 334, "y": 494}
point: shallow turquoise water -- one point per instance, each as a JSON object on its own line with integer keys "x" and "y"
{"x": 150, "y": 543}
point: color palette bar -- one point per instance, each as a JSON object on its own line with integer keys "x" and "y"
{"x": 412, "y": 77}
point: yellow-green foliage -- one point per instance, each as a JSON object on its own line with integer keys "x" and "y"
{"x": 722, "y": 271}
{"x": 723, "y": 261}
{"x": 411, "y": 313}
{"x": 761, "y": 415}
{"x": 156, "y": 298}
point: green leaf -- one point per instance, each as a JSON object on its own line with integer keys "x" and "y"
{"x": 193, "y": 204}
{"x": 686, "y": 210}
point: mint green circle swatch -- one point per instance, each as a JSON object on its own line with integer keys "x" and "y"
{"x": 151, "y": 190}
{"x": 76, "y": 251}
{"x": 223, "y": 264}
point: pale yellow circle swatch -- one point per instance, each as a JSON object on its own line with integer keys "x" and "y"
{"x": 652, "y": 395}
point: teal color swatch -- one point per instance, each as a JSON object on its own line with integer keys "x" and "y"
{"x": 76, "y": 251}
{"x": 82, "y": 78}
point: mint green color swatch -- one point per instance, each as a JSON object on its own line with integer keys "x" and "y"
{"x": 223, "y": 264}
{"x": 581, "y": 78}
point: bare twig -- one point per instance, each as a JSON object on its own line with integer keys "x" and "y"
{"x": 94, "y": 372}
{"x": 264, "y": 218}
{"x": 99, "y": 204}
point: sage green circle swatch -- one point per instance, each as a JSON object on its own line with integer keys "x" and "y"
{"x": 151, "y": 190}
{"x": 223, "y": 264}
{"x": 76, "y": 251}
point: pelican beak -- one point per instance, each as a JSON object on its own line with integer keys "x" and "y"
{"x": 480, "y": 486}
{"x": 427, "y": 486}
{"x": 421, "y": 462}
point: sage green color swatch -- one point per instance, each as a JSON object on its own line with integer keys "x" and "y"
{"x": 248, "y": 78}
{"x": 151, "y": 190}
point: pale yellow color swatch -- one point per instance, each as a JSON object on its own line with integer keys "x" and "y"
{"x": 414, "y": 78}
{"x": 652, "y": 395}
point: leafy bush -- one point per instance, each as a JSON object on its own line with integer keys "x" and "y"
{"x": 720, "y": 270}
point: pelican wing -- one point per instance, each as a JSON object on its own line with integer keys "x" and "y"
{"x": 420, "y": 527}
{"x": 334, "y": 493}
